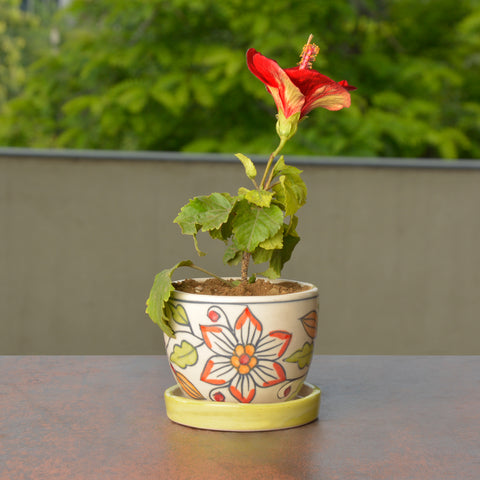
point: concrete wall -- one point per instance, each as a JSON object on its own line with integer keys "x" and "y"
{"x": 394, "y": 249}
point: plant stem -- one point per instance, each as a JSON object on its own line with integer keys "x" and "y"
{"x": 245, "y": 262}
{"x": 196, "y": 267}
{"x": 283, "y": 140}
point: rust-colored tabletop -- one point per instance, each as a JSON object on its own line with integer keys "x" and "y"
{"x": 381, "y": 417}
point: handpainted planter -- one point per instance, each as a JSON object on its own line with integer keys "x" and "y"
{"x": 242, "y": 349}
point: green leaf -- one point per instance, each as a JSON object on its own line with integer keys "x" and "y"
{"x": 223, "y": 233}
{"x": 159, "y": 296}
{"x": 207, "y": 212}
{"x": 232, "y": 255}
{"x": 291, "y": 192}
{"x": 281, "y": 168}
{"x": 302, "y": 357}
{"x": 261, "y": 198}
{"x": 273, "y": 243}
{"x": 184, "y": 355}
{"x": 252, "y": 224}
{"x": 292, "y": 226}
{"x": 260, "y": 255}
{"x": 281, "y": 256}
{"x": 242, "y": 191}
{"x": 249, "y": 166}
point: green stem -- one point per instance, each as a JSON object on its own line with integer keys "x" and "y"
{"x": 210, "y": 274}
{"x": 282, "y": 143}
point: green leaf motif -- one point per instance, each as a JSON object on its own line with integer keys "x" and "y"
{"x": 160, "y": 294}
{"x": 208, "y": 212}
{"x": 177, "y": 313}
{"x": 184, "y": 355}
{"x": 302, "y": 357}
{"x": 252, "y": 224}
{"x": 250, "y": 169}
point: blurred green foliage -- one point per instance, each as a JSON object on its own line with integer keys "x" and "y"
{"x": 14, "y": 27}
{"x": 171, "y": 75}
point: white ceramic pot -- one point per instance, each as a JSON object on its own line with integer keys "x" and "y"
{"x": 242, "y": 349}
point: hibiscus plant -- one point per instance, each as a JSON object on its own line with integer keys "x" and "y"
{"x": 259, "y": 223}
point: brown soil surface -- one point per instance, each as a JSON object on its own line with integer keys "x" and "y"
{"x": 260, "y": 287}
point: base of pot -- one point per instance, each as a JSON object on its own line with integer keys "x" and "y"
{"x": 243, "y": 417}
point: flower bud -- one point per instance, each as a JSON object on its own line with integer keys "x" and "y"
{"x": 287, "y": 127}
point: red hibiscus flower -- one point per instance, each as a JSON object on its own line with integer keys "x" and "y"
{"x": 299, "y": 90}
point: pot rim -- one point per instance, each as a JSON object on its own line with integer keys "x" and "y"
{"x": 312, "y": 292}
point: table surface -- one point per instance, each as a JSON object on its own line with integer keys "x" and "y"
{"x": 381, "y": 417}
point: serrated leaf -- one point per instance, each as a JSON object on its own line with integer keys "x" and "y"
{"x": 232, "y": 255}
{"x": 184, "y": 355}
{"x": 281, "y": 168}
{"x": 292, "y": 226}
{"x": 252, "y": 224}
{"x": 291, "y": 192}
{"x": 302, "y": 357}
{"x": 242, "y": 191}
{"x": 261, "y": 198}
{"x": 260, "y": 255}
{"x": 249, "y": 166}
{"x": 273, "y": 243}
{"x": 160, "y": 295}
{"x": 206, "y": 212}
{"x": 280, "y": 257}
{"x": 223, "y": 233}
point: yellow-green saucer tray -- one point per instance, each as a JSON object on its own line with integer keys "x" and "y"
{"x": 243, "y": 417}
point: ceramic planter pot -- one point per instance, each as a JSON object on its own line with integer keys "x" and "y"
{"x": 242, "y": 349}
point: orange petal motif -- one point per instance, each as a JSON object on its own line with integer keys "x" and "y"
{"x": 309, "y": 322}
{"x": 187, "y": 386}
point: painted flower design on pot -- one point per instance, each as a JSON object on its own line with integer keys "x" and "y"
{"x": 244, "y": 358}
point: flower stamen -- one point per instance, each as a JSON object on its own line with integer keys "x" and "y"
{"x": 308, "y": 55}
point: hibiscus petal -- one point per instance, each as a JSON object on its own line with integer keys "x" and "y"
{"x": 345, "y": 85}
{"x": 248, "y": 328}
{"x": 267, "y": 373}
{"x": 288, "y": 98}
{"x": 320, "y": 90}
{"x": 273, "y": 345}
{"x": 218, "y": 371}
{"x": 219, "y": 339}
{"x": 243, "y": 388}
{"x": 332, "y": 97}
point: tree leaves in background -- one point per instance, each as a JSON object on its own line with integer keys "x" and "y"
{"x": 168, "y": 76}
